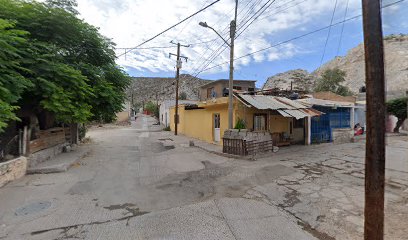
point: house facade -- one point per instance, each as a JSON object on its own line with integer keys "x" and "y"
{"x": 286, "y": 120}
{"x": 337, "y": 122}
{"x": 164, "y": 110}
{"x": 219, "y": 88}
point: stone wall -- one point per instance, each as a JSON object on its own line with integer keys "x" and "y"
{"x": 12, "y": 170}
{"x": 45, "y": 155}
{"x": 247, "y": 135}
{"x": 342, "y": 135}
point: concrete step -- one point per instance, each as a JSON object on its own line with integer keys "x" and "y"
{"x": 60, "y": 163}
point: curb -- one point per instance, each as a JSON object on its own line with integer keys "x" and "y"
{"x": 58, "y": 168}
{"x": 226, "y": 154}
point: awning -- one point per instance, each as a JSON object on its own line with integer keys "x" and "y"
{"x": 296, "y": 114}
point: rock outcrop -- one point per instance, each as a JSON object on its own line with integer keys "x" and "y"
{"x": 396, "y": 65}
{"x": 396, "y": 68}
{"x": 300, "y": 80}
{"x": 157, "y": 89}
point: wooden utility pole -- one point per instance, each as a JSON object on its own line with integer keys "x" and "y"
{"x": 376, "y": 112}
{"x": 233, "y": 28}
{"x": 178, "y": 66}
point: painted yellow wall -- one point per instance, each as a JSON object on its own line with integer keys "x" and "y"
{"x": 276, "y": 123}
{"x": 199, "y": 123}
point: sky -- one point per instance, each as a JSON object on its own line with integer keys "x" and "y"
{"x": 280, "y": 29}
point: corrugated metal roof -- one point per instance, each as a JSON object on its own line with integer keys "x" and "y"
{"x": 265, "y": 102}
{"x": 325, "y": 103}
{"x": 291, "y": 102}
{"x": 284, "y": 106}
{"x": 297, "y": 113}
{"x": 283, "y": 113}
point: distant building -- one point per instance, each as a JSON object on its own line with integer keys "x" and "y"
{"x": 283, "y": 120}
{"x": 219, "y": 88}
{"x": 164, "y": 111}
{"x": 125, "y": 114}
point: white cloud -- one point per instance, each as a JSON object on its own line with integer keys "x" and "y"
{"x": 130, "y": 22}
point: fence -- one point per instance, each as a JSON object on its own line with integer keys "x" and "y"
{"x": 47, "y": 138}
{"x": 12, "y": 147}
{"x": 243, "y": 147}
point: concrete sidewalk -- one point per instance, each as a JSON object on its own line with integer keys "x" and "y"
{"x": 60, "y": 163}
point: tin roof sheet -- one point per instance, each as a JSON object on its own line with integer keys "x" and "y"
{"x": 283, "y": 113}
{"x": 284, "y": 106}
{"x": 265, "y": 102}
{"x": 297, "y": 113}
{"x": 325, "y": 103}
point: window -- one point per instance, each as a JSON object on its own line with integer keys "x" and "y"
{"x": 260, "y": 122}
{"x": 211, "y": 93}
{"x": 237, "y": 88}
{"x": 251, "y": 89}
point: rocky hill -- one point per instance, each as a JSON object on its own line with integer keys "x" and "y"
{"x": 300, "y": 80}
{"x": 396, "y": 71}
{"x": 157, "y": 89}
{"x": 396, "y": 65}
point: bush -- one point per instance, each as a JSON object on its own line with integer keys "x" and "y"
{"x": 167, "y": 128}
{"x": 240, "y": 124}
{"x": 153, "y": 108}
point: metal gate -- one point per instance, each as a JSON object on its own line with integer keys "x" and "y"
{"x": 332, "y": 118}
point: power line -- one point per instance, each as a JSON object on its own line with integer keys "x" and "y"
{"x": 328, "y": 34}
{"x": 219, "y": 50}
{"x": 185, "y": 19}
{"x": 300, "y": 36}
{"x": 254, "y": 17}
{"x": 342, "y": 29}
{"x": 282, "y": 10}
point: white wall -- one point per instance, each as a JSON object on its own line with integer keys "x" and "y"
{"x": 165, "y": 109}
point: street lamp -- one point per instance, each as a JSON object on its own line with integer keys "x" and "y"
{"x": 231, "y": 72}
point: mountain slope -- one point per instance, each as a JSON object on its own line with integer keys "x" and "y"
{"x": 396, "y": 68}
{"x": 157, "y": 89}
{"x": 396, "y": 65}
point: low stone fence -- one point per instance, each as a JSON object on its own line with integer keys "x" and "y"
{"x": 244, "y": 142}
{"x": 247, "y": 135}
{"x": 342, "y": 135}
{"x": 12, "y": 170}
{"x": 46, "y": 154}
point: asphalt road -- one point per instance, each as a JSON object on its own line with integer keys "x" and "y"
{"x": 141, "y": 183}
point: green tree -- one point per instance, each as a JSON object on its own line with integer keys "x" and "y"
{"x": 331, "y": 80}
{"x": 153, "y": 108}
{"x": 12, "y": 83}
{"x": 398, "y": 108}
{"x": 70, "y": 66}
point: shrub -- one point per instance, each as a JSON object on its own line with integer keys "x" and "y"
{"x": 240, "y": 124}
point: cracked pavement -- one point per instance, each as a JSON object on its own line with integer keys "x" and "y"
{"x": 140, "y": 183}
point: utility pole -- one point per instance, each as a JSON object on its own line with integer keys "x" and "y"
{"x": 178, "y": 66}
{"x": 233, "y": 27}
{"x": 375, "y": 144}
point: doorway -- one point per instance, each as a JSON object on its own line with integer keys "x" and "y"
{"x": 217, "y": 123}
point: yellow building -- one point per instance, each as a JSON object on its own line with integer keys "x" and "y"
{"x": 285, "y": 119}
